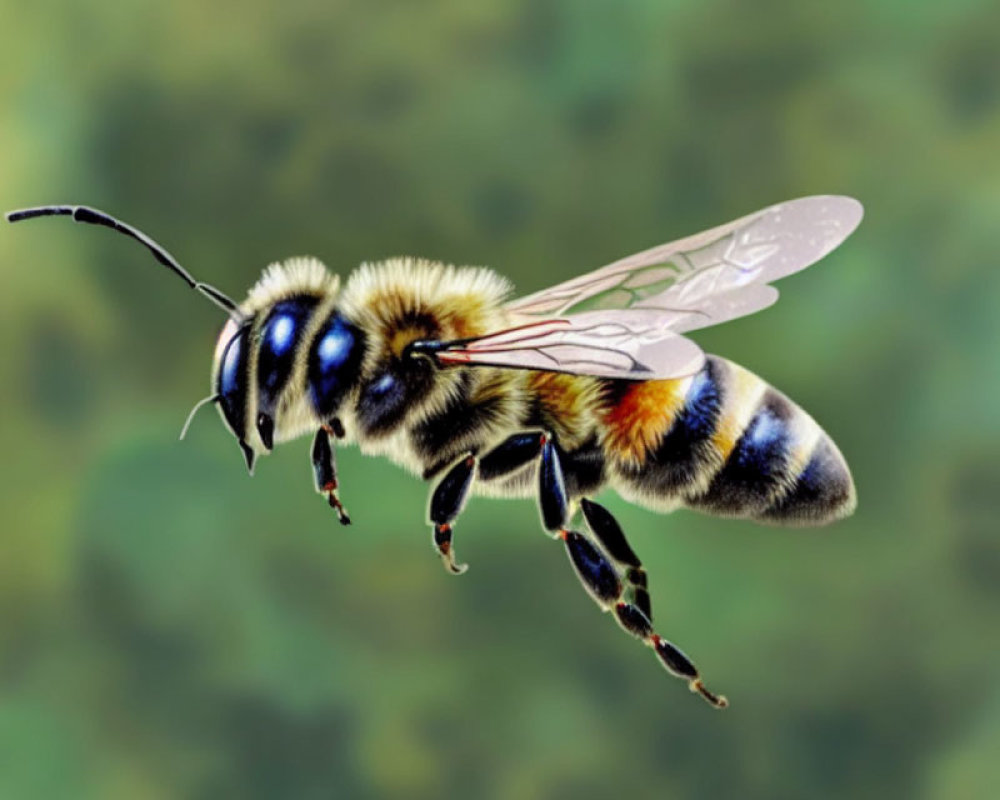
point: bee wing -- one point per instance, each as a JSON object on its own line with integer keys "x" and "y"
{"x": 634, "y": 344}
{"x": 625, "y": 320}
{"x": 713, "y": 276}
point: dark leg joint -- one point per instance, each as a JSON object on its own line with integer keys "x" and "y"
{"x": 641, "y": 599}
{"x": 637, "y": 577}
{"x": 634, "y": 621}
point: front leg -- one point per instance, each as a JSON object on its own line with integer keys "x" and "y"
{"x": 325, "y": 468}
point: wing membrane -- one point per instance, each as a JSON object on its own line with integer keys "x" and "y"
{"x": 637, "y": 345}
{"x": 690, "y": 276}
{"x": 625, "y": 320}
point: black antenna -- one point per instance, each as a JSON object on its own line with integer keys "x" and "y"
{"x": 95, "y": 217}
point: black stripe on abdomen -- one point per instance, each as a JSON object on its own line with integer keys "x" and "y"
{"x": 758, "y": 465}
{"x": 823, "y": 491}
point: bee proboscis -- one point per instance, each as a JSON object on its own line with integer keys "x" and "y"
{"x": 586, "y": 385}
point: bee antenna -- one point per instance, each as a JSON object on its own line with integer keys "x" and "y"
{"x": 95, "y": 217}
{"x": 197, "y": 407}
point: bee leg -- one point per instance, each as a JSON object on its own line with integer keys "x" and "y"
{"x": 452, "y": 491}
{"x": 603, "y": 583}
{"x": 599, "y": 575}
{"x": 325, "y": 471}
{"x": 611, "y": 537}
{"x": 446, "y": 504}
{"x": 552, "y": 500}
{"x": 510, "y": 455}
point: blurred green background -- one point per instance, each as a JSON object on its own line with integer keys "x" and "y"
{"x": 169, "y": 628}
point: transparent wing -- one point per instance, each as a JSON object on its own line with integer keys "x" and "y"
{"x": 637, "y": 345}
{"x": 710, "y": 277}
{"x": 625, "y": 320}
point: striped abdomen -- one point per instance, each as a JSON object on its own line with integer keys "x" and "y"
{"x": 724, "y": 442}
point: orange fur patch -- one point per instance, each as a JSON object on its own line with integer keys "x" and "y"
{"x": 568, "y": 403}
{"x": 640, "y": 419}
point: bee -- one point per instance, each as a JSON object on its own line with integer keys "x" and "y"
{"x": 556, "y": 395}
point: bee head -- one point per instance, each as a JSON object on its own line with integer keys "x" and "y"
{"x": 253, "y": 362}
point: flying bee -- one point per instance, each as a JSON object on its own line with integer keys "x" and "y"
{"x": 557, "y": 395}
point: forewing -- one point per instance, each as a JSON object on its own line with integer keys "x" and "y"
{"x": 625, "y": 320}
{"x": 637, "y": 345}
{"x": 710, "y": 277}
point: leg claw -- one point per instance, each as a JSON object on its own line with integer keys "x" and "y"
{"x": 337, "y": 506}
{"x": 448, "y": 559}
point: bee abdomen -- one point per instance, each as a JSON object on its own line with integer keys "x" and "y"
{"x": 734, "y": 446}
{"x": 782, "y": 468}
{"x": 823, "y": 490}
{"x": 759, "y": 463}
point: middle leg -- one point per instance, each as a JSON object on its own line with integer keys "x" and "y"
{"x": 449, "y": 496}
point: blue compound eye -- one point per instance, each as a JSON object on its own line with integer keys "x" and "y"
{"x": 334, "y": 363}
{"x": 232, "y": 381}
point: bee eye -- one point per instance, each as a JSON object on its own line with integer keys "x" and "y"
{"x": 232, "y": 381}
{"x": 334, "y": 363}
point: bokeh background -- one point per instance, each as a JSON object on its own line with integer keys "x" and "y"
{"x": 171, "y": 628}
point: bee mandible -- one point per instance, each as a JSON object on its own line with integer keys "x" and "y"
{"x": 557, "y": 395}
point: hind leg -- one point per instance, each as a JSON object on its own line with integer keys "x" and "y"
{"x": 611, "y": 537}
{"x": 601, "y": 570}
